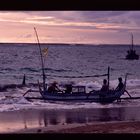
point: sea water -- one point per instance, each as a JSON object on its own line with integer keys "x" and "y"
{"x": 64, "y": 63}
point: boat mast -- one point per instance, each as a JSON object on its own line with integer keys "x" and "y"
{"x": 42, "y": 63}
{"x": 108, "y": 76}
{"x": 132, "y": 40}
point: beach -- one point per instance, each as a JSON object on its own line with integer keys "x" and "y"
{"x": 85, "y": 121}
{"x": 103, "y": 128}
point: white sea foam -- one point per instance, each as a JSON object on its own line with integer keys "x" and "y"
{"x": 133, "y": 82}
{"x": 16, "y": 101}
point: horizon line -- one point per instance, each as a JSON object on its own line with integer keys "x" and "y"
{"x": 65, "y": 43}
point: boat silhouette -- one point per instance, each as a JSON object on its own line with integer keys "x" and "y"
{"x": 131, "y": 53}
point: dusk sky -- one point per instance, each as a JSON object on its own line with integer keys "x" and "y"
{"x": 90, "y": 27}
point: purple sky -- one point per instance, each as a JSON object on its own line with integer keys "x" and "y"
{"x": 92, "y": 27}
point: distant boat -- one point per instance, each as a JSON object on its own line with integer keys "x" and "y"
{"x": 131, "y": 53}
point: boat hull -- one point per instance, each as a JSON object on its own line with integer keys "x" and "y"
{"x": 132, "y": 57}
{"x": 96, "y": 96}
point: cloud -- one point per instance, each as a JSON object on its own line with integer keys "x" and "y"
{"x": 111, "y": 20}
{"x": 70, "y": 23}
{"x": 28, "y": 36}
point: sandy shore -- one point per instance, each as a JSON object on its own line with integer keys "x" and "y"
{"x": 102, "y": 121}
{"x": 103, "y": 127}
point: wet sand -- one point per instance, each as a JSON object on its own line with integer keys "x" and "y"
{"x": 95, "y": 128}
{"x": 97, "y": 120}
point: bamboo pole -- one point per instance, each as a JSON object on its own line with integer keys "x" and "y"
{"x": 42, "y": 63}
{"x": 23, "y": 82}
{"x": 108, "y": 76}
{"x": 132, "y": 41}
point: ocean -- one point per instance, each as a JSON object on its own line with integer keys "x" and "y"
{"x": 64, "y": 63}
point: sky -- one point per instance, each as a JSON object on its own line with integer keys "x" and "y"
{"x": 86, "y": 27}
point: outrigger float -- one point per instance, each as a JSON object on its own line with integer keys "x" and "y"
{"x": 78, "y": 93}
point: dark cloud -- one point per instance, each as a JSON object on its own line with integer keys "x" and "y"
{"x": 86, "y": 16}
{"x": 116, "y": 17}
{"x": 99, "y": 15}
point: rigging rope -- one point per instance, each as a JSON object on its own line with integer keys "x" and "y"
{"x": 77, "y": 76}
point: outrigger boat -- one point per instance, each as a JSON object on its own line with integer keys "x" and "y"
{"x": 78, "y": 93}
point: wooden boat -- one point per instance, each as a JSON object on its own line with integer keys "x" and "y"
{"x": 78, "y": 94}
{"x": 131, "y": 53}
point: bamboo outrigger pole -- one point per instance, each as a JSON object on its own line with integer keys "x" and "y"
{"x": 132, "y": 41}
{"x": 108, "y": 76}
{"x": 42, "y": 63}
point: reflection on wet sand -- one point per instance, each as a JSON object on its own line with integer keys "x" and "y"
{"x": 55, "y": 117}
{"x": 25, "y": 119}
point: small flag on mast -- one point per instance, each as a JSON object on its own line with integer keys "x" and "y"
{"x": 45, "y": 51}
